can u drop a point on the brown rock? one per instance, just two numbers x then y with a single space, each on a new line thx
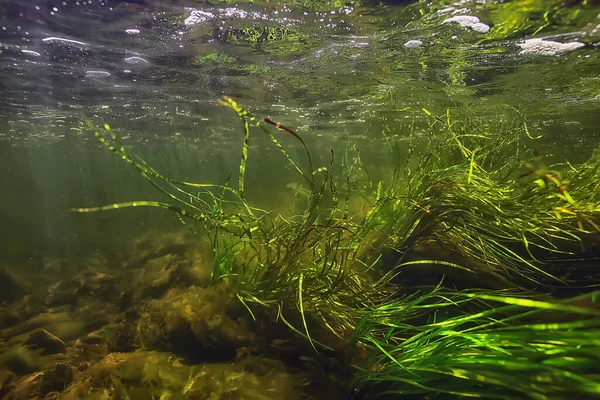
12 287
56 379
42 339
93 338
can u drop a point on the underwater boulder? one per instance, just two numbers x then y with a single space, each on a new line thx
203 324
41 320
72 291
233 382
55 379
26 387
97 284
12 287
148 375
125 339
7 379
21 360
65 325
94 338
198 272
9 317
158 275
138 375
155 245
45 341
63 293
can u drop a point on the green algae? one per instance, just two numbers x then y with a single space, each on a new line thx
215 57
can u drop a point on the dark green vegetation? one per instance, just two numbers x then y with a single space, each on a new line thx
469 271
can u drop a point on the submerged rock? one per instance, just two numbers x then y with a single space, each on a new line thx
200 323
45 341
26 387
163 273
21 360
12 287
158 275
198 273
72 291
125 338
65 325
155 245
154 375
93 338
6 378
55 379
63 293
9 318
232 382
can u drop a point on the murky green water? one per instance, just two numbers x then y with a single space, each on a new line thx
338 73
334 71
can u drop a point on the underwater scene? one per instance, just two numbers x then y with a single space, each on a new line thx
252 200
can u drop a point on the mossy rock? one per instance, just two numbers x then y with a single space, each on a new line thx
203 324
47 343
12 287
147 375
125 339
56 379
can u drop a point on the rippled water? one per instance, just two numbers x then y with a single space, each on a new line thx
332 70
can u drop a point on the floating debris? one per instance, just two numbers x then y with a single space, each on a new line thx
413 43
136 60
468 21
31 52
58 40
196 17
547 47
97 74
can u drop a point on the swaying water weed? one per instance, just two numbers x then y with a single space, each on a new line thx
461 198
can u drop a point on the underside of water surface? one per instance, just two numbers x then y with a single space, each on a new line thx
299 200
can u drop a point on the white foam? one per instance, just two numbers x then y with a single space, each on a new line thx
413 43
547 47
469 22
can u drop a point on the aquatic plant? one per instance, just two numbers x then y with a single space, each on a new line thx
463 197
304 270
531 17
481 207
479 345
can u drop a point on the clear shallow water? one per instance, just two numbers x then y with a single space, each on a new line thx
335 72
112 287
